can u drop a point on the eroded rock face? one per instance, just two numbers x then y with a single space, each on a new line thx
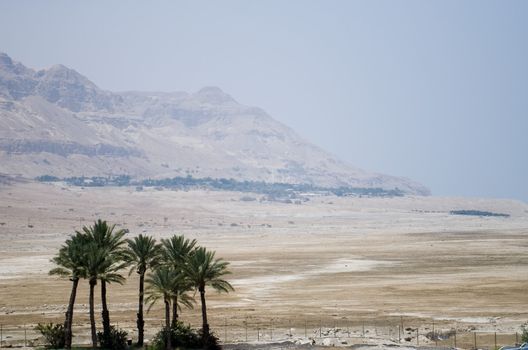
58 84
68 89
56 121
16 81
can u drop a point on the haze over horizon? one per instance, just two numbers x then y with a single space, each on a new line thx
434 91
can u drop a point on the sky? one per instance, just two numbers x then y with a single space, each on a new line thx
436 91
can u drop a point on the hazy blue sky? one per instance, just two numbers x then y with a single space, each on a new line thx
433 90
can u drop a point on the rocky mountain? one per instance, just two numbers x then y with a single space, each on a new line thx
57 122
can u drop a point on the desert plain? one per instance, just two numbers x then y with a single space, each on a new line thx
330 263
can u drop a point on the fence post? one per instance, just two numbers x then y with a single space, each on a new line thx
258 332
495 341
434 337
320 328
271 329
363 329
455 337
417 337
225 331
475 339
25 336
305 331
399 334
246 325
516 339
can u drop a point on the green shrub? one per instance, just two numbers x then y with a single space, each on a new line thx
211 342
181 336
116 339
524 335
53 333
158 341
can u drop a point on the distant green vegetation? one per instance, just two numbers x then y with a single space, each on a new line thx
275 190
477 213
47 178
94 181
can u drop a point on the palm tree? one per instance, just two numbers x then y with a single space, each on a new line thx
95 262
70 262
177 251
161 285
203 270
104 237
99 265
180 296
143 254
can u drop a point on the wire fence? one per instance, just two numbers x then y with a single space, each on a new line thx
341 332
345 332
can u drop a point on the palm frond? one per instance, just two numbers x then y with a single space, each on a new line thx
143 253
203 269
185 300
222 286
60 271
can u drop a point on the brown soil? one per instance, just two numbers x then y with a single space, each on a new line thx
340 262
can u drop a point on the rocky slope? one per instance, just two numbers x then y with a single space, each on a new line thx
57 122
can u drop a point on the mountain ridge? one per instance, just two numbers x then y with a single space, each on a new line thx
57 122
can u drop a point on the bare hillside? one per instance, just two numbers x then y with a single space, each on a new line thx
57 122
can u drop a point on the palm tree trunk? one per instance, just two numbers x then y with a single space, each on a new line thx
105 313
140 322
167 323
174 310
205 325
69 315
93 282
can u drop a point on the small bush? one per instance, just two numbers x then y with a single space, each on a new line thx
181 336
158 341
116 339
185 336
211 342
524 335
53 333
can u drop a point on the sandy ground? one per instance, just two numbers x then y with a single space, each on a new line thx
330 263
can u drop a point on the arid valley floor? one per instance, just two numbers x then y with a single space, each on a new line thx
330 261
